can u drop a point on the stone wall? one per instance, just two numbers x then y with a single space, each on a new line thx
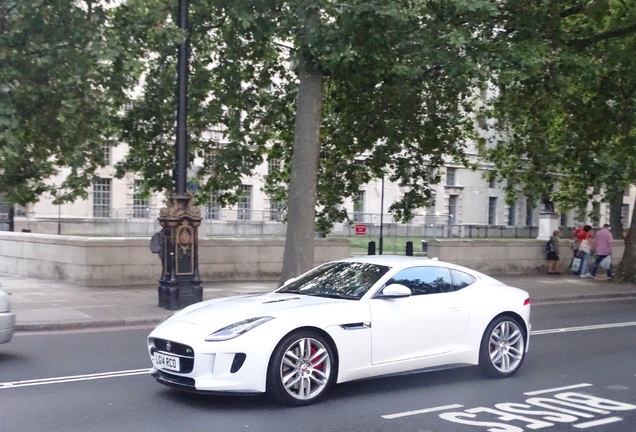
496 257
124 261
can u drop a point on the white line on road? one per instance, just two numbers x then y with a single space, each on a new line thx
421 411
74 378
598 422
583 328
558 389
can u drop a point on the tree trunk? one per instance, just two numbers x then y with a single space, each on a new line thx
301 208
626 270
616 216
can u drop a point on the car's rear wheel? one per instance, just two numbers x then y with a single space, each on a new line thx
301 369
503 348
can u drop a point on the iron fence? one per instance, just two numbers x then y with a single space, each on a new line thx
267 223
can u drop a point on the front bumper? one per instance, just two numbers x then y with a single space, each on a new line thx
234 366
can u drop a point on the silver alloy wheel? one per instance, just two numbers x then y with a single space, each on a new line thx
305 368
506 346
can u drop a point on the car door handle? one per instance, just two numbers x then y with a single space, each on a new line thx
455 309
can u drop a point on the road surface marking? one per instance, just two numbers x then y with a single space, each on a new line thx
74 378
421 411
583 328
558 389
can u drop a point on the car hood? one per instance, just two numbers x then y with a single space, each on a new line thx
221 312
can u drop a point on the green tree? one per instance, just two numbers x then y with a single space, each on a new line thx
58 96
564 105
391 84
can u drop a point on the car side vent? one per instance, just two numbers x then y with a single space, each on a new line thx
237 363
281 300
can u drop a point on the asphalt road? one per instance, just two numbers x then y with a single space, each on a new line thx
580 374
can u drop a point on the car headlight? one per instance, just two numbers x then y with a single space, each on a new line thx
237 329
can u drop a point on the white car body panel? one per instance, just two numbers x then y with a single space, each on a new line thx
371 336
7 318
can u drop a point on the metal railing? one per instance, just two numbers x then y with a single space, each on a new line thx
265 223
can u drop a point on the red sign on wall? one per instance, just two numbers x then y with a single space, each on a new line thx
361 229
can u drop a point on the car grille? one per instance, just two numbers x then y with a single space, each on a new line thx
174 380
184 352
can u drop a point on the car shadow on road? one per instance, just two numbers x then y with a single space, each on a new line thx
401 382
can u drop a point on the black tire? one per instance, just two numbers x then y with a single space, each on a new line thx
503 347
301 369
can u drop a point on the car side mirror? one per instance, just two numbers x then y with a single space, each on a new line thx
395 291
289 280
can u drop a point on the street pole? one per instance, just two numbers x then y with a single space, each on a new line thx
180 284
381 217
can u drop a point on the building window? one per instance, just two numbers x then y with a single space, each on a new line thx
213 209
274 165
4 208
210 156
492 210
358 207
596 213
245 203
451 176
452 209
101 197
277 211
106 151
512 214
529 215
625 215
141 204
564 219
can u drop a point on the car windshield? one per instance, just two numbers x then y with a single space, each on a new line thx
346 280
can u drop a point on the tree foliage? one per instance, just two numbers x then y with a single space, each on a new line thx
398 85
58 96
565 106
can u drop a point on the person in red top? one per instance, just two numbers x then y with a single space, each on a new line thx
585 249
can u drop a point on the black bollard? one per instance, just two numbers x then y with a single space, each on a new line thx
371 248
409 248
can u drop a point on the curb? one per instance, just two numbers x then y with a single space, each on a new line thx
77 325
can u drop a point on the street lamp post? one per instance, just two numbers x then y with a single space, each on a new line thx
180 284
381 217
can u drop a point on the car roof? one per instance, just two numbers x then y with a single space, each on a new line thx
402 261
390 260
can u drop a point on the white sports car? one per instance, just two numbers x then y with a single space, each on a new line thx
7 318
344 320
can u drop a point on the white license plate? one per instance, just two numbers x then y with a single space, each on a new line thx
163 361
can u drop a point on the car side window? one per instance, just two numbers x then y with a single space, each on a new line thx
424 280
461 279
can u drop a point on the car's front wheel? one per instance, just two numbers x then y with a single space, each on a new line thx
301 369
503 348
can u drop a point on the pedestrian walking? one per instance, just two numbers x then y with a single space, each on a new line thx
585 250
603 247
574 245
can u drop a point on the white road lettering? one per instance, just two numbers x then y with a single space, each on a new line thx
74 378
561 406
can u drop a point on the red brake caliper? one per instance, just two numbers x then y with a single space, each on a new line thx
314 363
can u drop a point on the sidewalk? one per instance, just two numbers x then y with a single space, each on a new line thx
53 305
